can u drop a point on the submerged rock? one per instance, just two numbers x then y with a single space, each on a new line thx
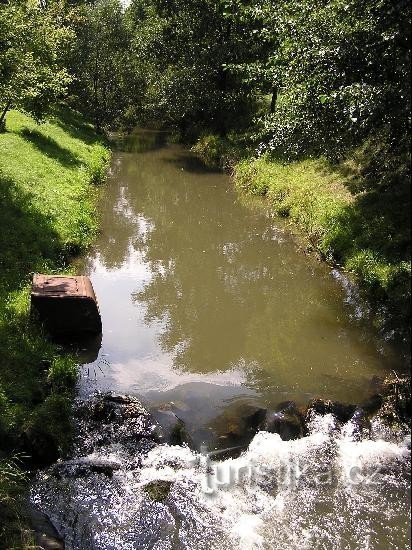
171 428
341 411
158 490
286 420
237 426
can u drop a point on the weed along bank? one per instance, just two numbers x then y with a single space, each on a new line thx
49 186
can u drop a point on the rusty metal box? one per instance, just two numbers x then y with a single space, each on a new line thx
66 304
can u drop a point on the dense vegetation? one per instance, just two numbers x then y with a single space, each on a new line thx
301 91
306 101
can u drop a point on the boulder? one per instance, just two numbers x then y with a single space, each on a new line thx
109 418
240 423
43 531
113 407
285 420
171 428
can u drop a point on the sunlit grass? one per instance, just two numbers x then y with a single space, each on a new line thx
47 214
350 222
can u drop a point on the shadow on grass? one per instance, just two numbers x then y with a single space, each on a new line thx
375 230
27 237
49 147
73 124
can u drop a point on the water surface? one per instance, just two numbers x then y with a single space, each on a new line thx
208 305
207 301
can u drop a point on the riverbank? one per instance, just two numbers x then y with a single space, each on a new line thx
48 175
360 224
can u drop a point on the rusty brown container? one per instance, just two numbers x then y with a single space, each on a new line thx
66 305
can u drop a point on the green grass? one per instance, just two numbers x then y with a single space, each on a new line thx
363 228
352 215
47 214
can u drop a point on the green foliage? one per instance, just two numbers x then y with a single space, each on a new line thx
184 50
31 43
12 480
221 152
53 417
105 79
342 72
62 374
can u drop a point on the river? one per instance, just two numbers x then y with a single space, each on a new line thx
209 306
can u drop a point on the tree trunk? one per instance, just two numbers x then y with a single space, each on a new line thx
4 113
274 99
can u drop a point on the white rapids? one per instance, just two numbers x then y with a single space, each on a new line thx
333 489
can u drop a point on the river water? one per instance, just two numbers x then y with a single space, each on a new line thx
208 306
207 302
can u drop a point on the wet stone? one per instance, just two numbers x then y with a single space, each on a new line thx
84 466
171 428
343 412
158 490
286 420
242 421
112 419
46 542
287 425
43 531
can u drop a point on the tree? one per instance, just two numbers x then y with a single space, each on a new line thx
103 76
188 50
342 70
32 38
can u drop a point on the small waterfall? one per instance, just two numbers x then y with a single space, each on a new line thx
340 486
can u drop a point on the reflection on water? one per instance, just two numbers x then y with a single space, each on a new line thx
200 290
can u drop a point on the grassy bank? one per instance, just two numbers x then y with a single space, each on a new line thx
357 223
47 214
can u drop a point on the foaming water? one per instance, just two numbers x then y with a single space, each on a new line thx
335 488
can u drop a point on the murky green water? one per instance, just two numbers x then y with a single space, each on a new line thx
207 302
208 306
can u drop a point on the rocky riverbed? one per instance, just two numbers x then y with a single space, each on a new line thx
323 472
